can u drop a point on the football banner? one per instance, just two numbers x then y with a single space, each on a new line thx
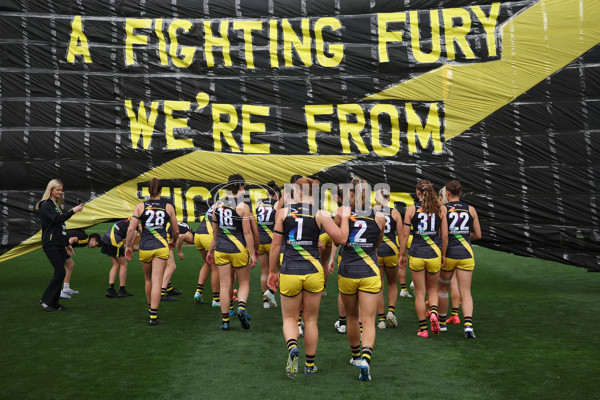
502 95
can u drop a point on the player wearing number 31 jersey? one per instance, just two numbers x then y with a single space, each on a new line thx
427 218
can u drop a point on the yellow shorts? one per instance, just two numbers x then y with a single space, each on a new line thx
202 242
292 285
237 260
264 248
409 241
372 284
466 264
146 256
388 261
325 239
432 265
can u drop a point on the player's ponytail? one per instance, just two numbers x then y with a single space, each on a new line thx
235 183
431 202
155 187
273 189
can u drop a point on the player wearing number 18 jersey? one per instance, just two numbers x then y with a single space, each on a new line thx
427 218
154 215
233 235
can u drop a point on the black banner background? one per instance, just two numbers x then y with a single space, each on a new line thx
531 168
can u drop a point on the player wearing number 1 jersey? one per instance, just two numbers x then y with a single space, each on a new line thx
265 214
154 215
301 279
427 218
463 226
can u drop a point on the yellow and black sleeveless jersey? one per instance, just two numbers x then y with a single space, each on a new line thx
301 238
154 221
205 227
82 237
460 221
426 234
359 254
117 233
389 245
183 229
265 215
230 237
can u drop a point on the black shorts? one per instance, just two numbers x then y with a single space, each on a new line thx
112 251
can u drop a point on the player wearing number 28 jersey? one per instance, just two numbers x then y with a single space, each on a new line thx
154 215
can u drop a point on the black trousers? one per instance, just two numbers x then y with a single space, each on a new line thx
57 257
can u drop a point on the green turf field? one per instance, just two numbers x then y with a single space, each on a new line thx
536 323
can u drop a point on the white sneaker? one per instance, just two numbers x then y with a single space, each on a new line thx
216 303
356 361
341 328
198 298
469 333
412 287
70 291
270 298
365 371
266 304
391 319
324 292
63 295
381 325
301 330
404 293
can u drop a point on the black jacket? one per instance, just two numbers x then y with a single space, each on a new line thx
54 230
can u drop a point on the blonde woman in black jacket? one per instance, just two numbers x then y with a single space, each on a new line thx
54 240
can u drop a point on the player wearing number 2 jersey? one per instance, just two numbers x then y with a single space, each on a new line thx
301 278
154 215
427 218
359 280
463 226
233 235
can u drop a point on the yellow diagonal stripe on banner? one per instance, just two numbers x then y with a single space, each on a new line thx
201 166
535 44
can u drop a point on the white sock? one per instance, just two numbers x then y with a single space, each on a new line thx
66 286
